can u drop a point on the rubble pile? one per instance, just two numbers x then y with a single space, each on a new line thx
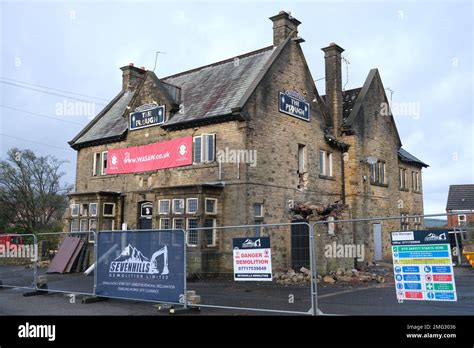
292 277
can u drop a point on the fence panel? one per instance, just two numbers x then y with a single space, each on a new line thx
364 272
252 267
145 265
17 260
63 258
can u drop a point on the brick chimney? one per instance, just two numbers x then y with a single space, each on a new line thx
283 26
131 77
334 100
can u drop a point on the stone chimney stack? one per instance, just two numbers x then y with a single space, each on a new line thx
283 26
131 77
334 100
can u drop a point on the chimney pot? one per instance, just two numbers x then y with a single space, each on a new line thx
131 76
142 67
284 25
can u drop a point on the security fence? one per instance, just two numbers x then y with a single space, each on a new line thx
17 260
393 265
253 267
334 267
62 259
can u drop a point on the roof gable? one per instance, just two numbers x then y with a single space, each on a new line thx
358 102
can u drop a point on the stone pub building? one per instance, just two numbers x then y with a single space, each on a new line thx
173 152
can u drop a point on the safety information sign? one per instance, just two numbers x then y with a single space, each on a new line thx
252 259
422 265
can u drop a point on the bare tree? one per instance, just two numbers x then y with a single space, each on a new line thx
31 190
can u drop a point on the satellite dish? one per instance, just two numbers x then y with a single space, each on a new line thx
372 160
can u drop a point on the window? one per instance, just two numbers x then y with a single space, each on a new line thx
93 225
301 158
74 209
178 206
258 210
165 224
104 163
74 225
178 224
211 206
403 178
96 164
84 209
415 180
377 173
204 148
93 209
192 235
108 224
325 163
461 220
109 209
258 229
83 225
164 206
191 205
417 223
404 223
210 234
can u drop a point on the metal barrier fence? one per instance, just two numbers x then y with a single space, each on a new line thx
224 267
356 255
68 275
18 260
225 274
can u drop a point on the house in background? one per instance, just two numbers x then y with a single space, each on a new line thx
461 202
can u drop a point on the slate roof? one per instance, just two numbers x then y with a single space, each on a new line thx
349 98
407 157
108 124
460 197
206 93
215 89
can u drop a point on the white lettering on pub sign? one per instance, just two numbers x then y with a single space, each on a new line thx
292 104
146 118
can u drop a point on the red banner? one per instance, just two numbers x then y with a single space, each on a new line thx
167 154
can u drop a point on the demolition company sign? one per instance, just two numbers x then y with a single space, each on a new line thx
141 265
151 116
292 104
252 259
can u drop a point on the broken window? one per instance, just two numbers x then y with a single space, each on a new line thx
377 172
211 206
96 164
178 206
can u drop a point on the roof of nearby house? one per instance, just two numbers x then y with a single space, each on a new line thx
407 157
460 197
206 93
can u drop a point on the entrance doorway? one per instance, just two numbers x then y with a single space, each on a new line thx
146 216
377 230
299 246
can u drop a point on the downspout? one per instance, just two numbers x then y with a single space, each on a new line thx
343 186
122 210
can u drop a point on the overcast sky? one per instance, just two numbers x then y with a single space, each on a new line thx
423 50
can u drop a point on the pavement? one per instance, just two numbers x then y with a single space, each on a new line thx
334 299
